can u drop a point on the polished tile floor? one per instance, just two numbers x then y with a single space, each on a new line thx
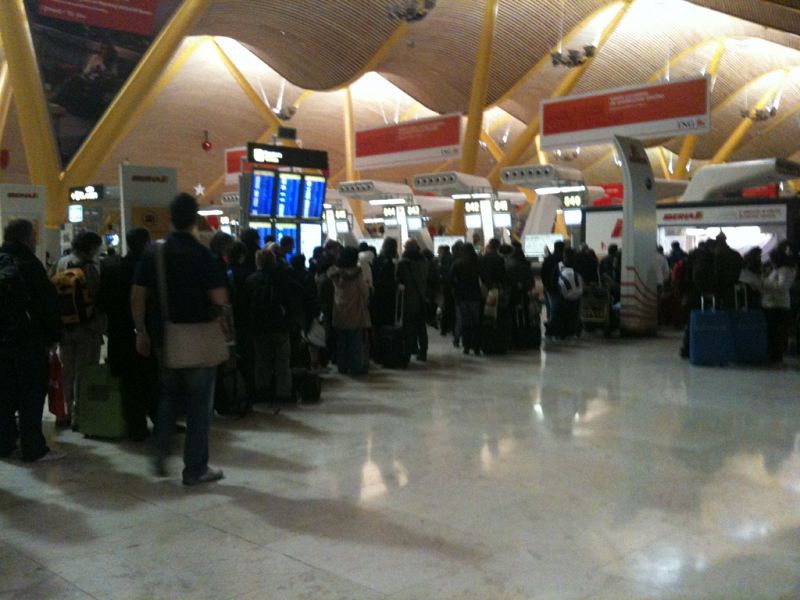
598 469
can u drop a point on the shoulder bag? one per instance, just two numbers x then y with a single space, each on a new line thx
188 345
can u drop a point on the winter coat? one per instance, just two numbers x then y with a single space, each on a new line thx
777 287
350 298
412 273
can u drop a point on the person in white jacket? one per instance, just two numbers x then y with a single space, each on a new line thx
776 300
365 258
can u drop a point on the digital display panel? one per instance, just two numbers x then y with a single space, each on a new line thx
473 221
262 193
313 196
414 223
286 229
264 230
310 238
75 213
534 244
573 216
502 220
288 195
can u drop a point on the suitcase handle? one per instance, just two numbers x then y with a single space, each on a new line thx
713 303
736 288
399 307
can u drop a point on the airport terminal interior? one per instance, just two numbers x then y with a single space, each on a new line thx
584 463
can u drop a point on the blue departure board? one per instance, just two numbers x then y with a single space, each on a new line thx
288 195
262 193
313 196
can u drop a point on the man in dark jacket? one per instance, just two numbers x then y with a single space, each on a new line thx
24 342
138 374
727 268
412 275
445 260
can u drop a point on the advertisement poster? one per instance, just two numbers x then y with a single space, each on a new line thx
641 112
413 142
86 50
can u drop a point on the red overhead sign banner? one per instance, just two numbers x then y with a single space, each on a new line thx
641 112
131 16
420 141
233 164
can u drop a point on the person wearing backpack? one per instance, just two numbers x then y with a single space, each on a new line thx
77 282
267 296
570 285
29 327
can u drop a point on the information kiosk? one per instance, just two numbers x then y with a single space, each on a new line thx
24 202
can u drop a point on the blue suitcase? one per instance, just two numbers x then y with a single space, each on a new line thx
749 332
711 340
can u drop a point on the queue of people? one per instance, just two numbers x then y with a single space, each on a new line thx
283 319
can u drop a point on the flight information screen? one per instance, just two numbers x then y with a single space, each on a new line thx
288 195
262 193
313 196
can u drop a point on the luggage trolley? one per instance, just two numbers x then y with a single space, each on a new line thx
596 309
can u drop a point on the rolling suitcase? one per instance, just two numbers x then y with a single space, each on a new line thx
230 393
527 328
100 412
393 350
749 332
492 339
711 340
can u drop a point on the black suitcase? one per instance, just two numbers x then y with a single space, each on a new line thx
393 351
230 393
306 386
492 337
527 328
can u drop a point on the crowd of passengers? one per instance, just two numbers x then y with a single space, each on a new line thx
290 312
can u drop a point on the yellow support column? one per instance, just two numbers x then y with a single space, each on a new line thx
37 131
5 98
732 143
477 102
350 153
492 146
567 84
690 141
258 103
134 92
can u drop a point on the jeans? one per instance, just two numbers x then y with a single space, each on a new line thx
272 359
470 315
191 390
79 347
23 377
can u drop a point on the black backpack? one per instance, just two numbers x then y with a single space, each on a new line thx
14 300
267 311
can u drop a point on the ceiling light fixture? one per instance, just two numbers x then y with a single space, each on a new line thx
573 58
410 10
760 114
388 201
568 189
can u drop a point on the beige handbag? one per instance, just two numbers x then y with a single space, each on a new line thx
188 345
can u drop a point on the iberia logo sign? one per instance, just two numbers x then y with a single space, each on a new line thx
696 215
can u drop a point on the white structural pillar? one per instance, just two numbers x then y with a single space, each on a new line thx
639 312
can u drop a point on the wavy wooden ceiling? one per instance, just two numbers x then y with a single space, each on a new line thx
322 44
777 14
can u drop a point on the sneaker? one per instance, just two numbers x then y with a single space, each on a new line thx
50 456
209 476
